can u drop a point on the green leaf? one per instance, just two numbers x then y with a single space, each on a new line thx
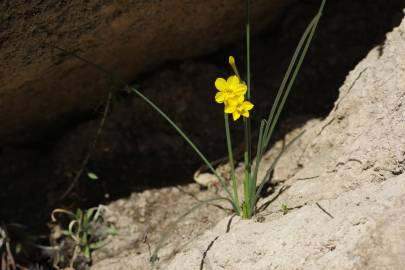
86 252
284 209
98 244
79 214
112 230
92 176
18 248
65 232
89 215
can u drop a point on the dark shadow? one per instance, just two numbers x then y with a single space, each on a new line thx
279 192
228 225
138 150
206 252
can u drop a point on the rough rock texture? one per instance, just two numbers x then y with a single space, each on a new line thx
134 138
348 164
40 85
343 183
142 218
366 232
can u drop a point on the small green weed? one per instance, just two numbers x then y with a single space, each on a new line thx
86 229
284 209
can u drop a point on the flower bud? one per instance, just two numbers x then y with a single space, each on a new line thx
231 60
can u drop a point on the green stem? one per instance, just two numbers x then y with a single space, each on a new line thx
246 127
248 80
185 137
231 163
248 47
247 124
246 193
235 70
274 163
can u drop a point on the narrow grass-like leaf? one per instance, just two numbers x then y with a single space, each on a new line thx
86 252
99 244
259 153
61 211
283 92
247 182
302 48
274 163
186 138
71 231
285 79
156 108
89 215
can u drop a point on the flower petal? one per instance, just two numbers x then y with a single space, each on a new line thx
233 81
229 107
220 97
234 101
220 84
241 98
235 115
245 114
240 89
246 105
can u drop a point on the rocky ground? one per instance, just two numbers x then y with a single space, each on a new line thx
342 182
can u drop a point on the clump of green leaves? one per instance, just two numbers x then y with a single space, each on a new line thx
284 209
86 229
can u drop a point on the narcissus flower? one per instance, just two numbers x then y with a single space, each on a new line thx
232 88
232 92
238 108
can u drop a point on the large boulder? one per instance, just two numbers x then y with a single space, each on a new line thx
342 186
40 85
343 183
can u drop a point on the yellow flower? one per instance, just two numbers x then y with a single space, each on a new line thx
238 108
232 88
232 92
232 103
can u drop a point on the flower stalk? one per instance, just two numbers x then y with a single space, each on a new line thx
232 165
236 96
